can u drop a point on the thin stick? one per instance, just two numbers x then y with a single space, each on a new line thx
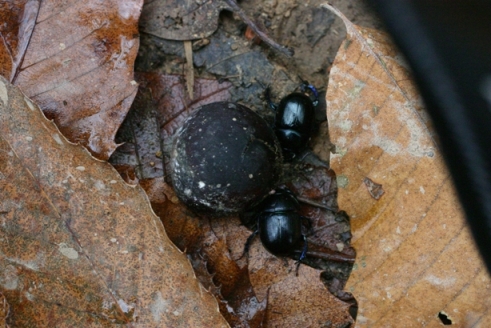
188 49
315 204
334 257
236 9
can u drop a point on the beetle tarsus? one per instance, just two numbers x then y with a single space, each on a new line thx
248 243
302 255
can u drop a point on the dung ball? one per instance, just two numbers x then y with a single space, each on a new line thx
223 158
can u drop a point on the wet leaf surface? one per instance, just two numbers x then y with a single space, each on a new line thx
79 245
77 64
19 19
416 257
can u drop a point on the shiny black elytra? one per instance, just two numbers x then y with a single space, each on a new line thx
279 225
294 119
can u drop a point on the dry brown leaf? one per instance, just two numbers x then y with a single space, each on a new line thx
213 264
293 301
79 247
77 64
416 257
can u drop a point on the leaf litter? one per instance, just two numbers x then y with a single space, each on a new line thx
282 83
216 245
75 60
93 252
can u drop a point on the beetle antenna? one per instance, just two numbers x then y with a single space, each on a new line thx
302 80
306 87
261 84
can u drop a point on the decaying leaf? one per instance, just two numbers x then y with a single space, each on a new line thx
216 269
416 257
77 64
376 190
181 20
78 245
161 106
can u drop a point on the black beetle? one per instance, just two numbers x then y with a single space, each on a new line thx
278 224
294 118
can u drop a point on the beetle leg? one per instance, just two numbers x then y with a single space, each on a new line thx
267 95
304 250
303 255
249 242
308 220
289 155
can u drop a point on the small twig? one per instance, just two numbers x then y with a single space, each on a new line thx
188 49
236 9
334 256
319 205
